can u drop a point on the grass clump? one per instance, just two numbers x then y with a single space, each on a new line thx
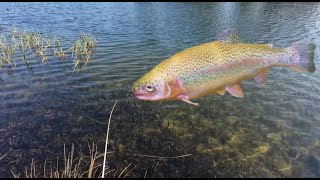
82 49
72 167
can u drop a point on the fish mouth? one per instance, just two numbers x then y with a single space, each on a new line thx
142 95
139 95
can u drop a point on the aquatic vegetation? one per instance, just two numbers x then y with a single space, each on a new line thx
7 52
58 51
82 49
19 43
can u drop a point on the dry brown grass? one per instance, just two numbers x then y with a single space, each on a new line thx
72 167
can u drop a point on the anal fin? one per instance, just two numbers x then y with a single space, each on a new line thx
262 77
235 90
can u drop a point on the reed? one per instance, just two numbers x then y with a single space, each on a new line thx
107 139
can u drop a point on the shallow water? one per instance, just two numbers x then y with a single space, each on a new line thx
272 132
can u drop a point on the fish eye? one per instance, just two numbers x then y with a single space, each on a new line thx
150 88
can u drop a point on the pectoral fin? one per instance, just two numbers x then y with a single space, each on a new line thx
186 99
262 77
189 102
235 90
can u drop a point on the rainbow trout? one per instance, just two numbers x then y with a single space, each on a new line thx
217 67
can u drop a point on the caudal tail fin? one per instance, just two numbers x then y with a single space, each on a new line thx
301 57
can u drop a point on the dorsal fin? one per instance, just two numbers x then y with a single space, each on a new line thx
230 36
